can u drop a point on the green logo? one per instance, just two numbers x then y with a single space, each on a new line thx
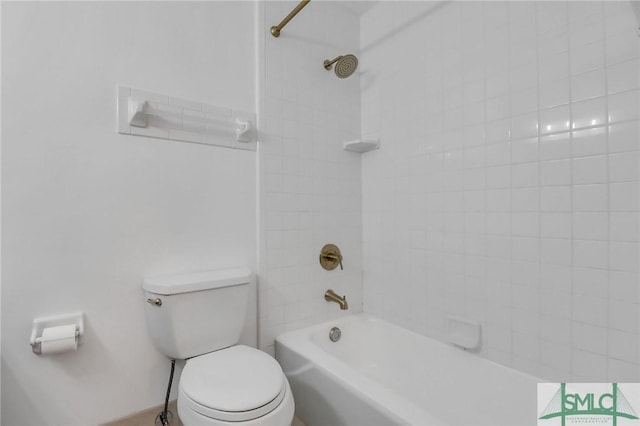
565 404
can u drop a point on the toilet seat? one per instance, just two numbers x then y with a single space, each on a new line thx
234 384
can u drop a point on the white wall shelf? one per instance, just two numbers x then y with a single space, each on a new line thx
361 145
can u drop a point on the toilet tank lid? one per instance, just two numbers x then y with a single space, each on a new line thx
196 281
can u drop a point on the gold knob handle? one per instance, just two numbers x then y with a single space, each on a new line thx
330 257
157 301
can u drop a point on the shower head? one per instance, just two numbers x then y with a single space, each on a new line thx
345 65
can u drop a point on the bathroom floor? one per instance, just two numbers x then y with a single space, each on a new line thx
148 417
297 422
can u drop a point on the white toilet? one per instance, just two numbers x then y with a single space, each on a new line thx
200 317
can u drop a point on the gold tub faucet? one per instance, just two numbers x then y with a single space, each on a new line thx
331 296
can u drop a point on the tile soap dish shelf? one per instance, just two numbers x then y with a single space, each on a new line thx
361 145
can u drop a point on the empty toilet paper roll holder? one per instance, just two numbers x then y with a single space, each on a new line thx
40 323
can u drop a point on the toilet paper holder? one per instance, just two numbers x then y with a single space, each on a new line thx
40 323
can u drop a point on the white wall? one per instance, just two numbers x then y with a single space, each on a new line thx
310 191
506 188
87 213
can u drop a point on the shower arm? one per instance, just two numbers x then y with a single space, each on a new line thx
327 63
275 30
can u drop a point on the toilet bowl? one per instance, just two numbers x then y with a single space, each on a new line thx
234 386
199 317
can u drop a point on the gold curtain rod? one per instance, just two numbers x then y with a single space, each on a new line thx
275 30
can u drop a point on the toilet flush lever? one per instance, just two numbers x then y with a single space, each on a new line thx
157 301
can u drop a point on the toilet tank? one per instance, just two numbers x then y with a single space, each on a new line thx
192 314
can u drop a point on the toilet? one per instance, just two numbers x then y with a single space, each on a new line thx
200 317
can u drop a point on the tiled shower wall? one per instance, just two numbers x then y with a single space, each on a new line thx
506 188
310 191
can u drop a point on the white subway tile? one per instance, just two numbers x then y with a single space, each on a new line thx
617 18
623 285
553 41
623 316
586 31
590 169
498 154
624 167
623 196
581 11
623 106
591 282
555 225
524 150
554 15
523 77
556 355
556 92
591 226
591 198
623 256
525 199
554 328
553 67
525 224
524 175
497 85
497 108
557 119
497 131
589 142
555 147
592 112
624 137
498 247
555 199
555 251
622 47
556 279
525 249
590 254
624 226
590 84
587 57
588 329
555 172
498 177
623 76
588 365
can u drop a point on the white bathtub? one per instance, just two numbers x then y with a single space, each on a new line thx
381 374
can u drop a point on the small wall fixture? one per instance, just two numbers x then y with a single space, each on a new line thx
330 257
361 145
331 296
56 334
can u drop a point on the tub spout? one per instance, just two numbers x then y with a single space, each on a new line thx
331 296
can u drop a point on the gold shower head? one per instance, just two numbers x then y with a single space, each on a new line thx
345 65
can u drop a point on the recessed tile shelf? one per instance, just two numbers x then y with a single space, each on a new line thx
362 145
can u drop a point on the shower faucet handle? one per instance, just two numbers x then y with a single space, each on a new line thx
330 257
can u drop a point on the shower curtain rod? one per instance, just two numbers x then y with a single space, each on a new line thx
275 30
